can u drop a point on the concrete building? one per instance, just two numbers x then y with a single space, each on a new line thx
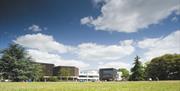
62 72
119 74
47 69
108 74
66 72
90 75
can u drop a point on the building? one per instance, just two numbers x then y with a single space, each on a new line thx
47 69
108 74
119 74
88 76
66 72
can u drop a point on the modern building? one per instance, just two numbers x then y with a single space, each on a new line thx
119 74
108 74
47 69
62 72
66 72
90 75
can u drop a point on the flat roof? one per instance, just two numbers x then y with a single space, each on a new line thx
66 66
107 69
43 63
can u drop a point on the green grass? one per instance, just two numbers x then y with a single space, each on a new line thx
91 86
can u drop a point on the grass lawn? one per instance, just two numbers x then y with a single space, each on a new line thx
91 86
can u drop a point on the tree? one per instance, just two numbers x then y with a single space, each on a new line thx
166 67
15 64
137 71
125 73
36 71
145 71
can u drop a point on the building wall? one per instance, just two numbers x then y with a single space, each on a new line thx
73 71
88 76
119 78
51 70
109 74
47 69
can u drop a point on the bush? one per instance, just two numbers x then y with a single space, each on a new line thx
53 79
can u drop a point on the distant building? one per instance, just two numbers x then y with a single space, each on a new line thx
88 76
119 74
47 69
66 72
108 74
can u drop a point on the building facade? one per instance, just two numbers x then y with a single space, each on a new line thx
72 73
47 69
108 74
62 72
85 76
66 72
119 74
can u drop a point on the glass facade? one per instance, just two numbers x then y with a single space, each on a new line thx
108 74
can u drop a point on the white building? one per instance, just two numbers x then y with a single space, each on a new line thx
119 74
88 76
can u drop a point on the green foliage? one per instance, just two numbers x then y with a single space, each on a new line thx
166 67
137 71
125 73
53 79
15 64
36 71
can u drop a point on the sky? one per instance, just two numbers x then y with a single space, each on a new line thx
91 34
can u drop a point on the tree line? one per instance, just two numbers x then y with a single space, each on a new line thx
17 65
165 67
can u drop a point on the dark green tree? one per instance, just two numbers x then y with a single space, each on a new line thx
16 65
166 67
125 73
145 71
137 71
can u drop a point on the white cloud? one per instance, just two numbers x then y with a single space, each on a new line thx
158 46
45 57
92 51
35 28
43 48
174 19
97 3
116 65
131 16
42 42
86 20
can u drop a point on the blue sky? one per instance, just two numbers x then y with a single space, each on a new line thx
91 34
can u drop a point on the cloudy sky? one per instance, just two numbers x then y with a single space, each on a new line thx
91 34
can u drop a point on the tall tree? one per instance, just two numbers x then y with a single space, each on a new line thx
125 73
137 71
15 64
166 67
